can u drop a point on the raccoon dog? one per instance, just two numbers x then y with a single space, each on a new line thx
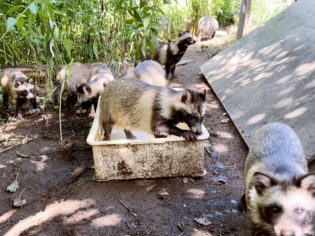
207 27
134 104
279 190
149 71
169 54
88 92
19 87
82 73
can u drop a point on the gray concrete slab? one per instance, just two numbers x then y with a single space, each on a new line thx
269 75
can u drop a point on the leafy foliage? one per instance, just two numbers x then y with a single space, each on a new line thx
57 31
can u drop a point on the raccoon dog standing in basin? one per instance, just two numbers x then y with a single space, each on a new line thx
280 193
134 104
18 86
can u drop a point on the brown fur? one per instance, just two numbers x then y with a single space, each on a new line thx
19 87
136 105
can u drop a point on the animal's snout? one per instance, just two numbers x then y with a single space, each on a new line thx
287 232
196 130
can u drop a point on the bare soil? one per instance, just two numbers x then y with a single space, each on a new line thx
64 199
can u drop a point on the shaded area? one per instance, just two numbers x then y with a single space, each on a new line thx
269 75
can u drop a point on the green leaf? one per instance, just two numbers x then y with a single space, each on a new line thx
144 48
67 44
146 22
20 23
208 147
23 155
13 187
167 1
33 8
10 23
95 49
136 15
151 46
13 9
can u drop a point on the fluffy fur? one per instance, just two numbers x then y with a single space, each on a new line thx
149 71
207 27
279 191
137 105
169 54
82 73
89 92
19 87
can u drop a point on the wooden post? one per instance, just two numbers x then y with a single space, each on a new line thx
244 14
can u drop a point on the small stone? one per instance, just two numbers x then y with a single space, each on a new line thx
18 202
223 121
162 194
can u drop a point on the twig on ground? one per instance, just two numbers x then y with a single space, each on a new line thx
22 142
132 213
183 232
171 224
22 191
9 139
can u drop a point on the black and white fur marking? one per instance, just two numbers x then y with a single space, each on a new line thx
19 87
135 105
169 54
280 193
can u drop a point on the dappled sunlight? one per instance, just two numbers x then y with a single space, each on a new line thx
224 134
40 165
305 69
6 216
2 166
310 84
255 119
212 106
263 79
286 91
51 211
284 103
199 232
196 193
81 215
296 113
219 147
109 220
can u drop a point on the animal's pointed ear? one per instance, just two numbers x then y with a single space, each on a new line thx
186 97
203 95
180 33
17 83
307 182
77 85
30 81
262 182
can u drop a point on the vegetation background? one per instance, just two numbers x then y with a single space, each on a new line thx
54 32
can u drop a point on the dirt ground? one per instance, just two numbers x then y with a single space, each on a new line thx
60 205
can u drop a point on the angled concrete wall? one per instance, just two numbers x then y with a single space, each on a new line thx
269 75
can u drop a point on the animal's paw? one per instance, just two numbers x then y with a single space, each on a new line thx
160 134
190 136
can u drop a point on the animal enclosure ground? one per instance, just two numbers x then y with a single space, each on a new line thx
60 205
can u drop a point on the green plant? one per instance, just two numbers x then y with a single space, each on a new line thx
223 12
